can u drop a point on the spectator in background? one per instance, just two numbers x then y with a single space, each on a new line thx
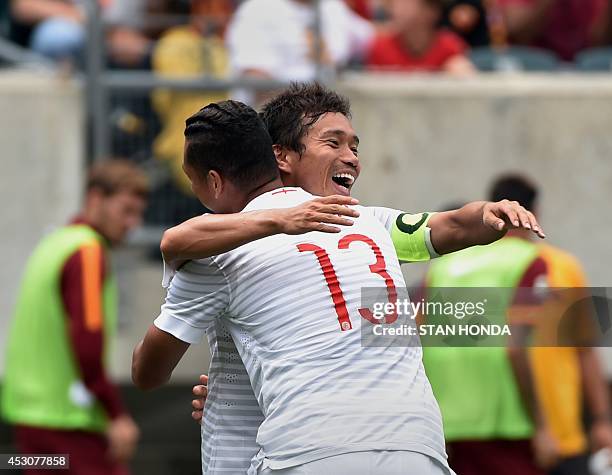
415 43
276 39
56 28
562 26
188 51
468 18
56 389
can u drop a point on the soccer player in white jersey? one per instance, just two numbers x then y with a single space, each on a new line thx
187 307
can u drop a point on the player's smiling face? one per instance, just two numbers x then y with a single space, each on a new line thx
329 164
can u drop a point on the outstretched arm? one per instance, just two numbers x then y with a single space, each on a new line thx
480 222
211 235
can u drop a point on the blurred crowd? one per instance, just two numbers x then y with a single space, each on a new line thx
285 40
278 38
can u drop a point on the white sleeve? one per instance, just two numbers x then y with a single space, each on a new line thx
386 216
251 41
198 294
168 274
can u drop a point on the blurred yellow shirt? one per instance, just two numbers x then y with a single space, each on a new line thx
557 369
183 53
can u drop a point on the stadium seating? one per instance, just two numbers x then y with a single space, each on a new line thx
514 58
594 59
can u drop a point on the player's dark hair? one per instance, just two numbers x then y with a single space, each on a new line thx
290 115
230 138
515 187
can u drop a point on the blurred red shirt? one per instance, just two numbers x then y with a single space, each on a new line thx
387 52
569 25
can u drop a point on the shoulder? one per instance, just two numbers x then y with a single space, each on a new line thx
450 41
381 47
553 253
563 263
90 254
383 39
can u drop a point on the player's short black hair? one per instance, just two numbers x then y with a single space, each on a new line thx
230 138
289 116
515 187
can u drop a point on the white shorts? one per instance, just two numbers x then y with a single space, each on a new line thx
395 462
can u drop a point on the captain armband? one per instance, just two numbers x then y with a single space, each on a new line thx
412 237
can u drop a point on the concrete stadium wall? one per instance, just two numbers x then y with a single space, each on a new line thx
41 144
424 143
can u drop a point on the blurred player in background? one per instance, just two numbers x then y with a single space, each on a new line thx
486 423
492 417
56 390
566 377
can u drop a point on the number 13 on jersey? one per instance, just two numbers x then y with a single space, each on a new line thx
379 267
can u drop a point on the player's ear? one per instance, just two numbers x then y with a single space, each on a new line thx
284 159
215 183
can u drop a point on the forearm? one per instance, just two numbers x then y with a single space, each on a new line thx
211 235
142 374
595 388
155 357
455 230
519 361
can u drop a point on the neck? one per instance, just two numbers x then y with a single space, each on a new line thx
88 217
264 188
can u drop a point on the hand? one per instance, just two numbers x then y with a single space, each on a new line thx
316 215
545 449
505 215
601 435
201 392
122 435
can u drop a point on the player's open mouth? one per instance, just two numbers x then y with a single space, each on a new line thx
344 181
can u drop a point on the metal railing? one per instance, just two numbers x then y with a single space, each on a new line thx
102 84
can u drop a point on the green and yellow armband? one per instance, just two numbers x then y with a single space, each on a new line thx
411 237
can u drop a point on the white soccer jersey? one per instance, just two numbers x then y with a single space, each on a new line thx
288 303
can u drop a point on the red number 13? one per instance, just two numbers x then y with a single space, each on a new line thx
379 267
